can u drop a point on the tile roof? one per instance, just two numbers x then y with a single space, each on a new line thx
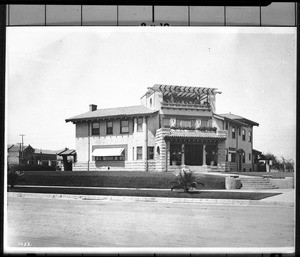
238 118
114 112
194 134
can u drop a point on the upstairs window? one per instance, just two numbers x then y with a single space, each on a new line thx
95 128
139 153
226 125
139 124
109 128
239 131
185 123
150 153
243 135
124 126
250 136
233 132
166 122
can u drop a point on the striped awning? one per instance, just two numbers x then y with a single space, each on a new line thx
108 152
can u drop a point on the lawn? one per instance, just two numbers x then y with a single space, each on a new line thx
147 193
123 179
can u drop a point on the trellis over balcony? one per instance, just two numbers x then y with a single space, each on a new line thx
187 97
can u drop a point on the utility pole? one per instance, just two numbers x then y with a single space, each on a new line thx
22 135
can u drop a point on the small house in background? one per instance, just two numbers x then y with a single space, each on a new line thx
66 158
257 165
38 156
13 154
61 159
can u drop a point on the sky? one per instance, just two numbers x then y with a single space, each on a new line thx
54 73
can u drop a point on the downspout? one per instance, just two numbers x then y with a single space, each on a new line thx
89 143
252 149
146 143
237 148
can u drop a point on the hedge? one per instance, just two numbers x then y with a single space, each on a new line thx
28 167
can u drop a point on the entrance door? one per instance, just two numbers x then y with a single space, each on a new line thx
240 162
193 155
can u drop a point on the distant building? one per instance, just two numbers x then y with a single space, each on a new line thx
59 159
174 127
39 156
66 158
13 154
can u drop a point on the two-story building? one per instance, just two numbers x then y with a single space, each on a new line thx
174 127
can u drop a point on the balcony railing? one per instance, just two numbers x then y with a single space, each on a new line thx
201 128
186 105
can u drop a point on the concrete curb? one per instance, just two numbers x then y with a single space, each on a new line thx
151 199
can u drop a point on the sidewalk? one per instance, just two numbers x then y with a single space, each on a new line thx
286 197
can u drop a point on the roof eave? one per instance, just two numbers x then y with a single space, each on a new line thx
111 117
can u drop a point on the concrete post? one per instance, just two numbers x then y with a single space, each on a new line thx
182 155
204 156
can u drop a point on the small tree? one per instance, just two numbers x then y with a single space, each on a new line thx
185 180
287 164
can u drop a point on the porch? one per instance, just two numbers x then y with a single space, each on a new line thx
198 151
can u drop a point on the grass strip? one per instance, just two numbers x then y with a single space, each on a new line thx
127 179
148 193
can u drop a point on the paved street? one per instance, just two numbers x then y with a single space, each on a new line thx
91 223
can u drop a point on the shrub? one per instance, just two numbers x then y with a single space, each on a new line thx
30 167
185 180
13 177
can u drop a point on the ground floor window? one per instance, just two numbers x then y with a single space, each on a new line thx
150 153
109 158
139 153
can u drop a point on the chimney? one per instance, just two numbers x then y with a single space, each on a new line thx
93 107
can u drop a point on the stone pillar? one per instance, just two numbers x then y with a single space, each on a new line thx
182 155
204 156
145 145
49 163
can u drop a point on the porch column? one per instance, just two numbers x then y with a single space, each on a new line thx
204 156
134 125
145 145
182 155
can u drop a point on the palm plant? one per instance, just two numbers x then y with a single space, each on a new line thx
185 180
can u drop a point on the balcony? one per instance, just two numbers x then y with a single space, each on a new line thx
182 105
193 128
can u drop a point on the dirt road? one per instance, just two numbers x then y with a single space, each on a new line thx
87 223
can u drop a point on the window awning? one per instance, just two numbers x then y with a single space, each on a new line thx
108 152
